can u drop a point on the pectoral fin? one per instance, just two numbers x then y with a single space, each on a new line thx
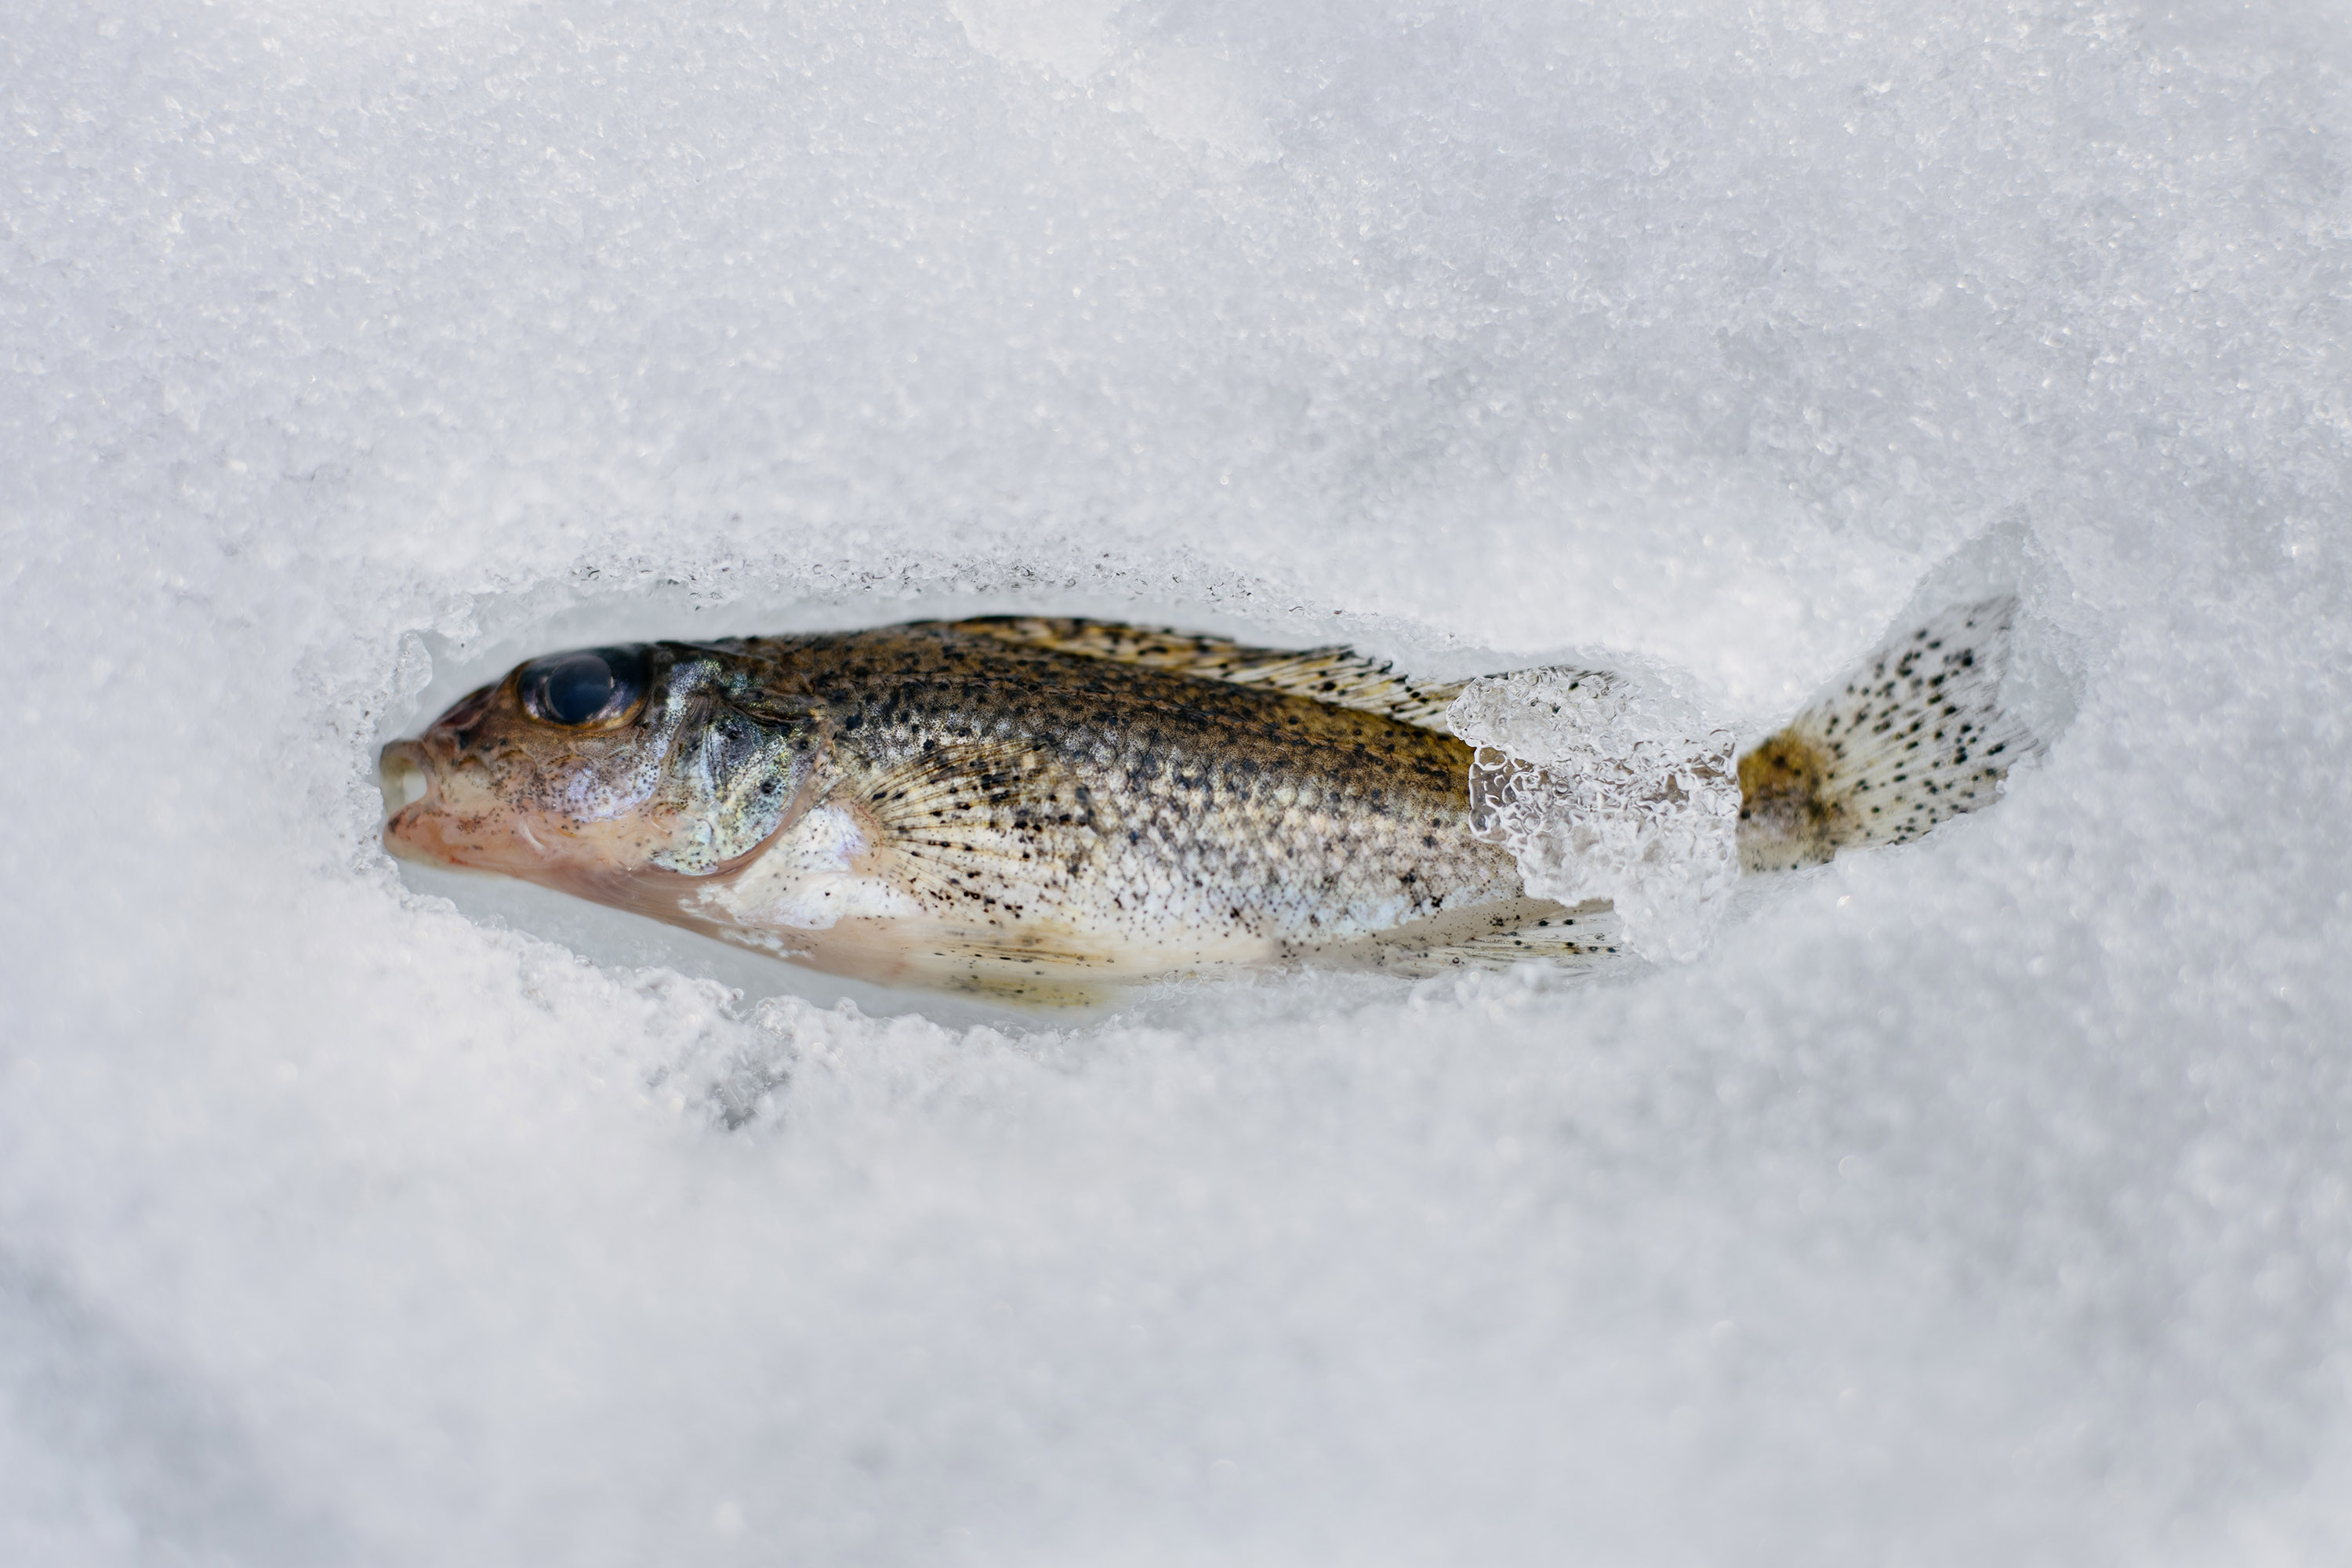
990 841
982 828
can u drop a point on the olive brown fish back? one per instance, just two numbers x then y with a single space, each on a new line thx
1339 677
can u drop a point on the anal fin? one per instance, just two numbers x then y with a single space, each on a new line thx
1493 937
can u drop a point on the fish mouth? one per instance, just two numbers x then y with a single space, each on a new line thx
423 823
405 775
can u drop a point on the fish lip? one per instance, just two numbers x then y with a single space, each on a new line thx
410 787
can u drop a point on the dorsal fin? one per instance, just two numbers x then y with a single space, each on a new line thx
1339 675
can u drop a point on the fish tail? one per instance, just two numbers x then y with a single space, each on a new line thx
1913 737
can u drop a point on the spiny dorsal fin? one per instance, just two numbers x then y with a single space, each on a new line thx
1915 736
1338 676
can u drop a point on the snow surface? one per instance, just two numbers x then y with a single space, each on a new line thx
1988 1200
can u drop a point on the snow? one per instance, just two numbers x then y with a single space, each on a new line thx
1983 1200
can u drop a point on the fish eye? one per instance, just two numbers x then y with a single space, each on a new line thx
598 688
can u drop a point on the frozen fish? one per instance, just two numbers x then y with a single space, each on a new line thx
1044 810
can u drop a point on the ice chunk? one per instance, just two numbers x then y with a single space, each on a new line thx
1606 788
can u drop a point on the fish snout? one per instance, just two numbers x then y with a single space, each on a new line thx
405 775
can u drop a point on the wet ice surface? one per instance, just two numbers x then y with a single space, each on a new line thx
1983 1200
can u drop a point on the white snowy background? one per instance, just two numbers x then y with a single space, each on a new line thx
1988 1201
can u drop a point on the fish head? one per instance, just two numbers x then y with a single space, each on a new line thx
616 773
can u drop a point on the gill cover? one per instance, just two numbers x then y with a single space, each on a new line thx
735 777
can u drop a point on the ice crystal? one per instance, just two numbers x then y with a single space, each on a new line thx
1604 789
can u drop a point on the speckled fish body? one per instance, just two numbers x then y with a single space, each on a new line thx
942 805
1043 810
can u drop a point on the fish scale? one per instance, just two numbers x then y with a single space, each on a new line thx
1221 809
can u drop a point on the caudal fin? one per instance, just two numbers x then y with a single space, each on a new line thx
1916 736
